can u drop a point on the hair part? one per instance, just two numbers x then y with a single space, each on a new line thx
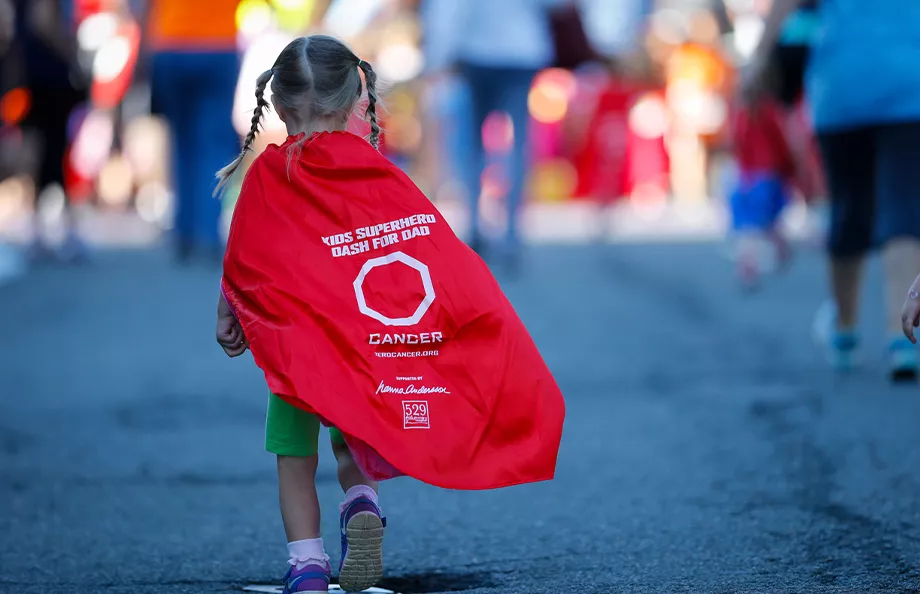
313 78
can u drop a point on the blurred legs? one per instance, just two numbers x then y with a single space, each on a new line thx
504 90
513 100
846 274
850 161
195 91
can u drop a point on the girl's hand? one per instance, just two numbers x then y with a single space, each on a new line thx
229 331
910 313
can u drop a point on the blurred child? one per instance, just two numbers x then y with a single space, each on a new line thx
369 315
766 168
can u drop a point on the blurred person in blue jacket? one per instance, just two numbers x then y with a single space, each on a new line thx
863 84
496 47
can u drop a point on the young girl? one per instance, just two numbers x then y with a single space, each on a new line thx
366 313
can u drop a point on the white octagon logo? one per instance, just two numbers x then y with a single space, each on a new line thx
383 261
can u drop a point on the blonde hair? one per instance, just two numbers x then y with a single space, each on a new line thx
315 77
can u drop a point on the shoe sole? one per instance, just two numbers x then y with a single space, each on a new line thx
363 563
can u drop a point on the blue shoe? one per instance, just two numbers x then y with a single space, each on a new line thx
362 545
841 347
311 579
903 360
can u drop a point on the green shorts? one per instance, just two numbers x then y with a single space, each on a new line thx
291 431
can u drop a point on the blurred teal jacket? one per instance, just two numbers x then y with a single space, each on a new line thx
865 64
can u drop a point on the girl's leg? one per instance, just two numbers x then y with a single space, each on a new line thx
298 498
292 434
361 523
350 475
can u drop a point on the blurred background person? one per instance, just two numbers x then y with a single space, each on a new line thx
45 43
496 48
194 75
864 89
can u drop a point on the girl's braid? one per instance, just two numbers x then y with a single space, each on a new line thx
224 175
370 114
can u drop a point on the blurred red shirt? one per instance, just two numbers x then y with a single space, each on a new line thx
759 141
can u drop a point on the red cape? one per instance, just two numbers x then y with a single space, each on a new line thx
361 305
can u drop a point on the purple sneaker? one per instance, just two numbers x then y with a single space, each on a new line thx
311 579
362 545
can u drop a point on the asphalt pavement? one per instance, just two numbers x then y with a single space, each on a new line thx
706 449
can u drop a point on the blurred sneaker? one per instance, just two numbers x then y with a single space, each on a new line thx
841 347
310 579
362 545
903 360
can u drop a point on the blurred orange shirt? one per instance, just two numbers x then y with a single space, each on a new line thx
193 24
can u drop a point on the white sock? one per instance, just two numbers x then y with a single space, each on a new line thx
304 552
358 491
